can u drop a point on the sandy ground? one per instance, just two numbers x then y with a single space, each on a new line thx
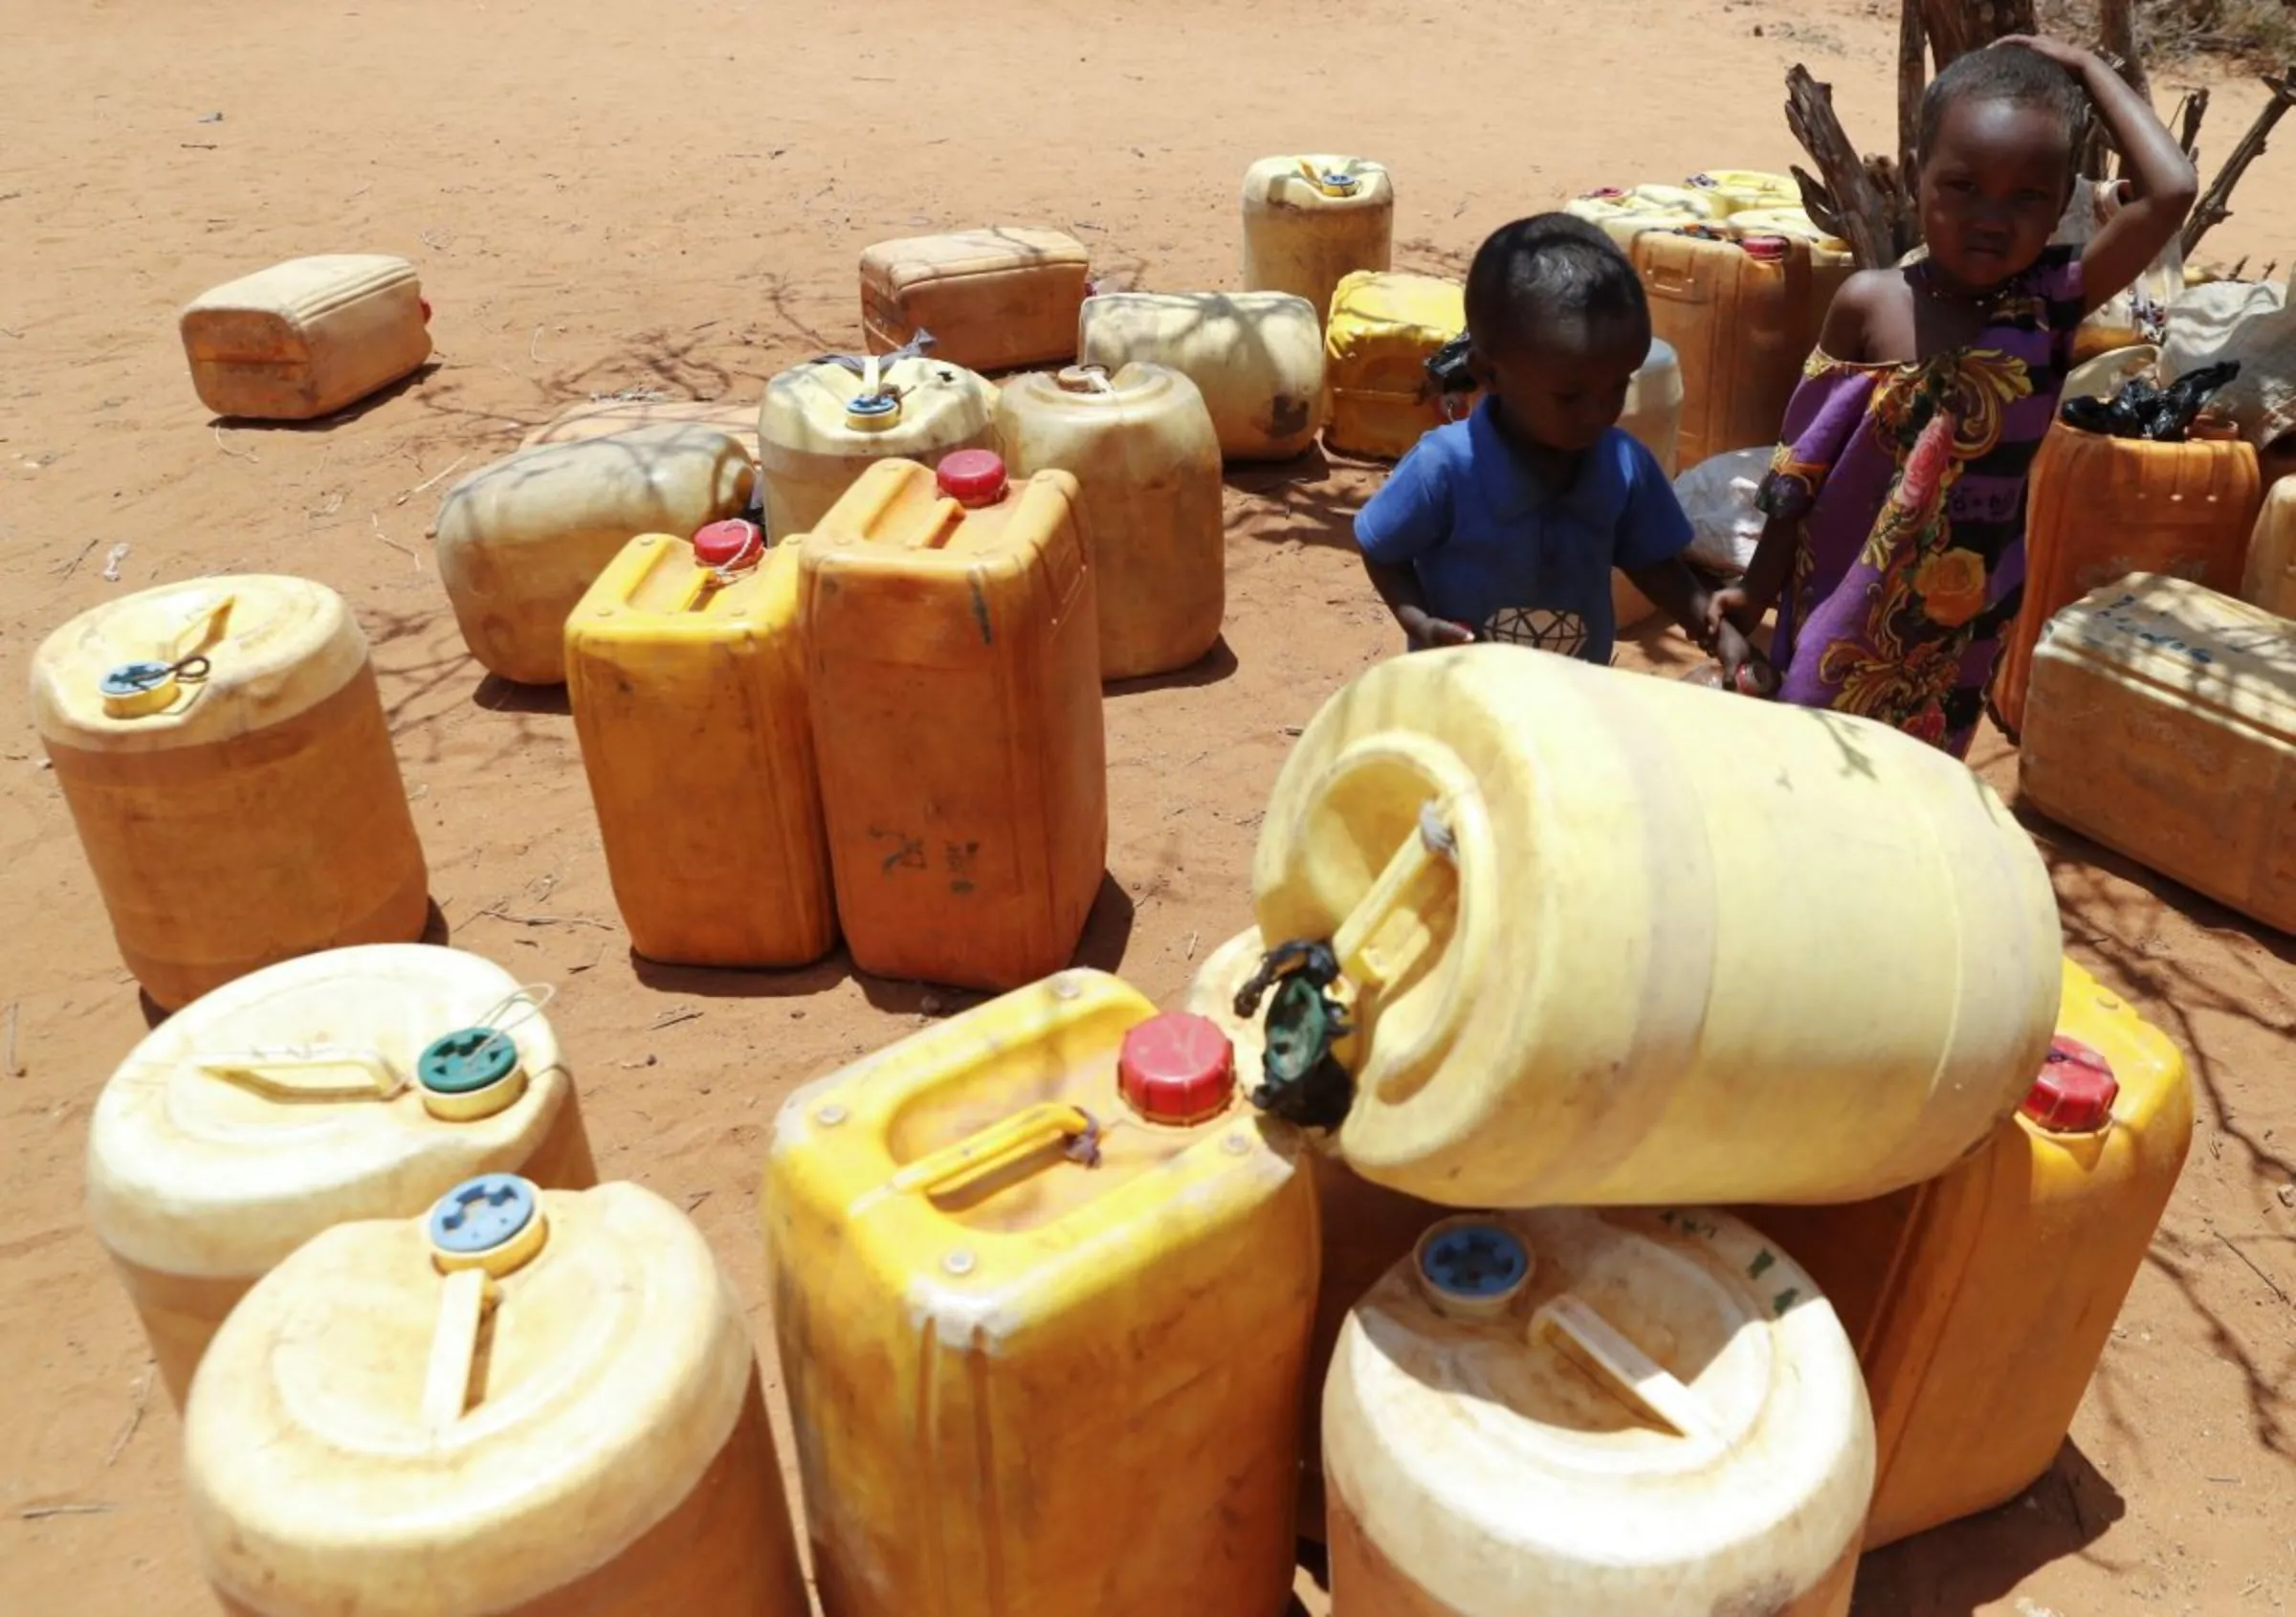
606 197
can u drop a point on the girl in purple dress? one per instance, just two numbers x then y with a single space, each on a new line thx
1894 549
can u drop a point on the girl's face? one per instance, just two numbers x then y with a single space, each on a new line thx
1992 190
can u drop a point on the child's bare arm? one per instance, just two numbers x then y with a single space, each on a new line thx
2161 183
1398 584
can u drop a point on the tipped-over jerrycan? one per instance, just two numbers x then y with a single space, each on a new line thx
519 541
359 1083
1146 459
1309 220
222 746
1737 310
1367 1228
686 675
952 641
1980 1301
990 299
529 1403
1042 1284
1640 1414
1622 854
1624 214
823 424
2269 580
306 338
1256 358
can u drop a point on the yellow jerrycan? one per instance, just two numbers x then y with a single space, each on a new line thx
1367 1228
306 338
1038 1272
1385 327
686 675
2269 580
1661 877
953 647
1640 1414
1627 213
823 424
519 541
222 746
1831 261
529 1403
359 1083
1256 358
1309 221
1738 313
1981 1301
1740 190
1146 459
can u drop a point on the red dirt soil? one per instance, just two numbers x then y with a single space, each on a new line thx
603 197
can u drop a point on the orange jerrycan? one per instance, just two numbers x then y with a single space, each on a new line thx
687 680
1637 1414
222 746
529 1403
1618 855
1368 1227
306 338
2101 508
359 1083
991 299
1146 459
1980 1301
952 632
1042 1285
2162 723
1738 311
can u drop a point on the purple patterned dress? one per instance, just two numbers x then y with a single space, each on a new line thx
1909 482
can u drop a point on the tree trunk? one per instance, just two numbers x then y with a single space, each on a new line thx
1912 82
1845 201
1957 27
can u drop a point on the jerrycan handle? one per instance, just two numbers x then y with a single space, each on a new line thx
463 1304
483 1230
1629 1374
318 1072
1000 1144
205 628
1418 860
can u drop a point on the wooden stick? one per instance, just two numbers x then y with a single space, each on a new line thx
1859 215
1958 27
1912 82
2190 111
2116 23
2215 206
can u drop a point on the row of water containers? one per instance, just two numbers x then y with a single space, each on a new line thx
1072 1318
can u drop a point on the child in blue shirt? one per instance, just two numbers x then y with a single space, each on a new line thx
1507 526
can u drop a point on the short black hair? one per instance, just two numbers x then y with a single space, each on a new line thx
1550 270
2012 73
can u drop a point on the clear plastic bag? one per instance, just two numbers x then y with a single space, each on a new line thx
1717 496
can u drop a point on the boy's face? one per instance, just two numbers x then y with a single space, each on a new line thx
1563 388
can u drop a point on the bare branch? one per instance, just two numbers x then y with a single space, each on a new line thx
2215 206
1847 203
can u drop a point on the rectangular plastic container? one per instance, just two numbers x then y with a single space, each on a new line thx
1385 327
2271 579
1737 313
688 689
955 658
306 338
1043 1353
992 298
2161 722
1980 1301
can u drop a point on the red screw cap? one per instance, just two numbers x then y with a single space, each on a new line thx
1177 1069
2075 1091
972 477
1768 249
731 544
425 303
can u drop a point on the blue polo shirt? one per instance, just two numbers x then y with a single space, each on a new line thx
1488 540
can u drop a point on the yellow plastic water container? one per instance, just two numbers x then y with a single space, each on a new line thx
1738 313
599 418
2106 375
1640 1414
1146 459
2270 578
358 1083
519 541
1624 853
2161 722
1652 415
306 338
1385 326
529 1401
824 424
1042 1285
1367 1228
1309 220
991 299
1741 191
952 638
1625 213
222 747
1831 261
1256 358
686 674
1980 1301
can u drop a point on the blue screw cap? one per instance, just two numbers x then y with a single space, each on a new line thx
133 678
1474 1261
481 1214
873 404
466 1060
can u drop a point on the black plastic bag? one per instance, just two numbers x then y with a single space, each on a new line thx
2161 415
